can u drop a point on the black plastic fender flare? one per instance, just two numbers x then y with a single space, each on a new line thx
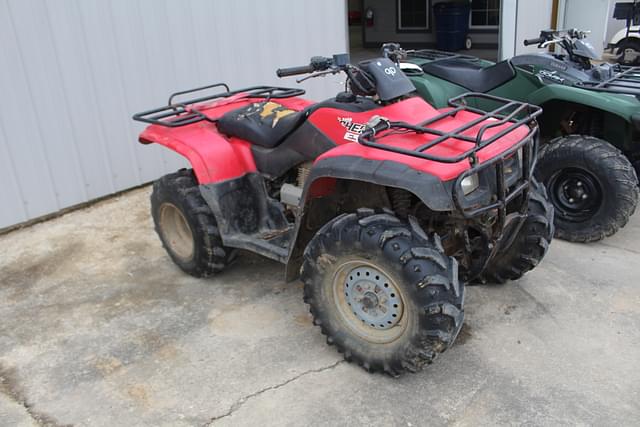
434 193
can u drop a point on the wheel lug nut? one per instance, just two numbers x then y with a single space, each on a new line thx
572 200
584 197
579 183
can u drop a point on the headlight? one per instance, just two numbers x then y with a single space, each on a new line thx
510 163
520 155
470 184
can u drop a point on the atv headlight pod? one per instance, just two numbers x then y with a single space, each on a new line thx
470 184
514 162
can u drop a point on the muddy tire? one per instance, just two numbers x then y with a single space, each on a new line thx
591 184
530 245
382 291
186 226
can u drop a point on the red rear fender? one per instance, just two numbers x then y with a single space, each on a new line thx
213 157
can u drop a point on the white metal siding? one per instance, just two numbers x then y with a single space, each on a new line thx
72 72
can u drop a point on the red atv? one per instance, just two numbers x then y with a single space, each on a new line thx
383 205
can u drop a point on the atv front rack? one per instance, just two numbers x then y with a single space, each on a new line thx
511 114
626 82
176 114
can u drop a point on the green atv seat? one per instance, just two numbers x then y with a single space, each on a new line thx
471 74
265 124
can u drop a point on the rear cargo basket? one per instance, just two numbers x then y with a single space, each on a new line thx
436 55
176 114
626 82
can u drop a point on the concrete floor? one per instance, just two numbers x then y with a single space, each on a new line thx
98 328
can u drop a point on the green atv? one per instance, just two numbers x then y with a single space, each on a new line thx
590 127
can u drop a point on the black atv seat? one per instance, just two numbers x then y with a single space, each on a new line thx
470 74
267 124
262 123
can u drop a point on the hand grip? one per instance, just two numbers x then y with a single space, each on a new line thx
533 41
292 71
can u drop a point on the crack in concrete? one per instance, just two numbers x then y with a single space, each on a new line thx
240 402
9 387
609 245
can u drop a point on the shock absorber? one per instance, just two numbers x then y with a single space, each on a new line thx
400 201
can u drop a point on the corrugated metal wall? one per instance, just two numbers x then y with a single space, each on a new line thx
72 72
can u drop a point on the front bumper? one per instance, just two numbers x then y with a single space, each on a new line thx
502 180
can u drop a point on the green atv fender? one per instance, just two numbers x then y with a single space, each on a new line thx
589 205
619 112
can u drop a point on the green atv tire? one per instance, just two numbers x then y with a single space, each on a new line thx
591 184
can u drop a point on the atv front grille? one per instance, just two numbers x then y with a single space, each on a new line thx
176 114
507 114
626 82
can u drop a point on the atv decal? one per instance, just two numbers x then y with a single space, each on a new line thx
270 112
550 75
353 129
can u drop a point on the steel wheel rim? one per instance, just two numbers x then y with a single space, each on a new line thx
576 194
369 301
176 232
629 55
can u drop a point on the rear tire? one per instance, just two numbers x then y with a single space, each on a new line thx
628 52
591 184
186 226
530 245
404 309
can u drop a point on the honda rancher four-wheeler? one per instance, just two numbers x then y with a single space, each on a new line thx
590 126
383 205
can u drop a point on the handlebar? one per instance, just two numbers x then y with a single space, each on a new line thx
534 41
293 71
317 63
556 36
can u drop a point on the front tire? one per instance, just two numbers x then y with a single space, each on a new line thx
186 226
591 184
530 245
382 291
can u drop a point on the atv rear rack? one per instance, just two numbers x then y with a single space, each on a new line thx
436 55
511 113
626 82
185 112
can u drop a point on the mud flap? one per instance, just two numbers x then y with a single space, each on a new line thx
247 217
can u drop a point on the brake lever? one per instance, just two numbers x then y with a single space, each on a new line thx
549 43
316 74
